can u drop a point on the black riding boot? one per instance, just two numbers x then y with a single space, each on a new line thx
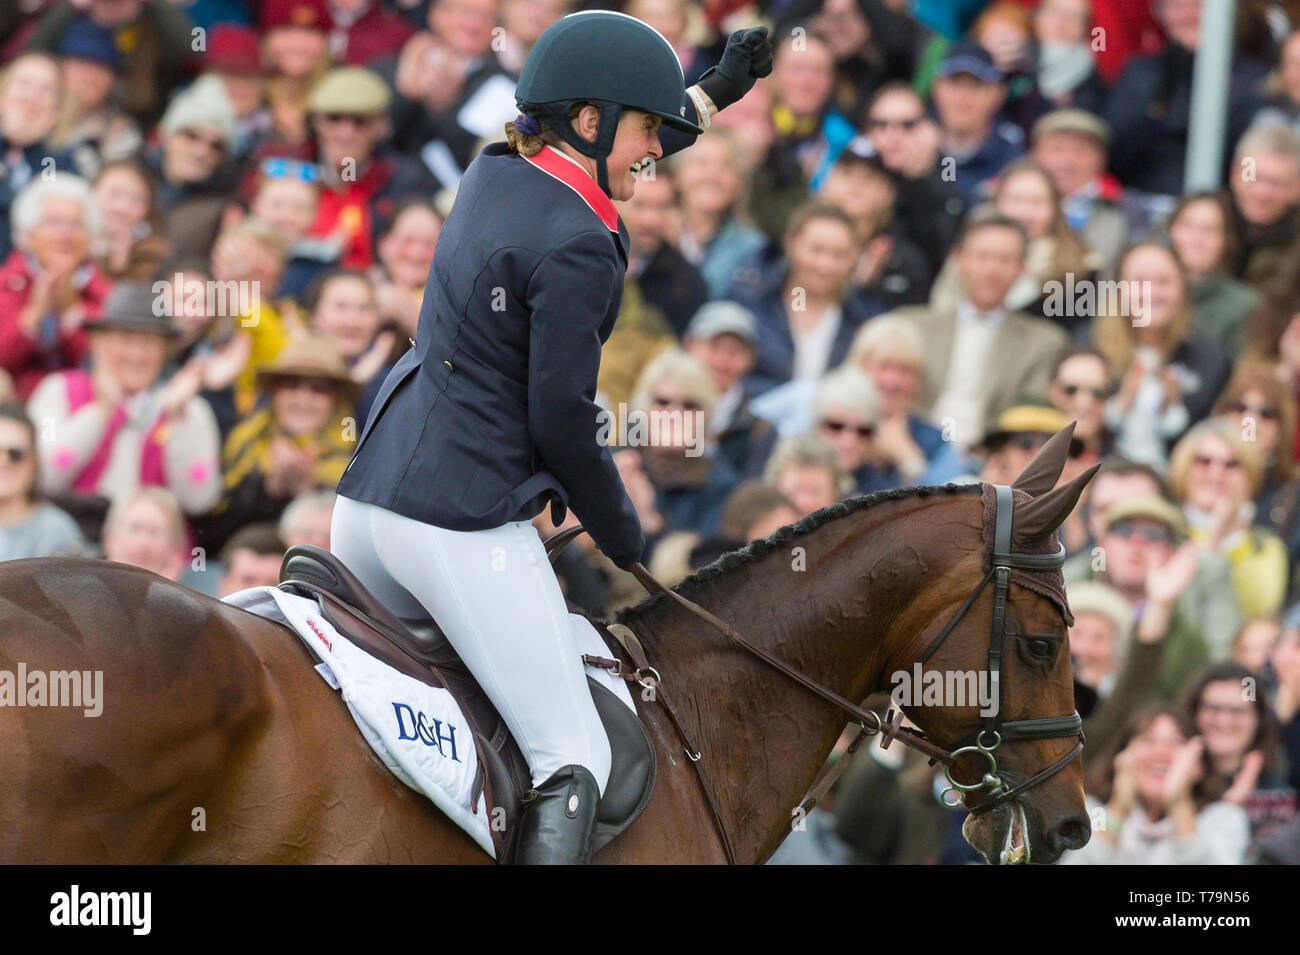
558 826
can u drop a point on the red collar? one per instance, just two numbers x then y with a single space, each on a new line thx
561 167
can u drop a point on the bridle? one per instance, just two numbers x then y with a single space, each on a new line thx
994 732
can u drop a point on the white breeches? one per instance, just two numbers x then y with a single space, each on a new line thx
495 596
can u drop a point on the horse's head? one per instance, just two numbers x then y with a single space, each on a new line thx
1015 744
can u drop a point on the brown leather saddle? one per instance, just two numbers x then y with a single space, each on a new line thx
420 650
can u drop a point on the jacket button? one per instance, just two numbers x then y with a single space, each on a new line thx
448 364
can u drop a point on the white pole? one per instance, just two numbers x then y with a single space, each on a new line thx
1209 107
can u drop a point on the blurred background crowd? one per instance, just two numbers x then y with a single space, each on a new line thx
904 258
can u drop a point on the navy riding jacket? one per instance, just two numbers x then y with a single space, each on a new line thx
492 414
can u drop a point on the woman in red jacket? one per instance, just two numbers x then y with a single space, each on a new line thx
50 284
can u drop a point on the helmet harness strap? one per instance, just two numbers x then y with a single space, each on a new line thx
557 117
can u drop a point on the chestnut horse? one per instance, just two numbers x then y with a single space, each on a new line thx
219 743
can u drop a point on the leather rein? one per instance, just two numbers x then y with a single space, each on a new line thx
870 723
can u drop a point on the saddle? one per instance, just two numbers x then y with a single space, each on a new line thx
420 649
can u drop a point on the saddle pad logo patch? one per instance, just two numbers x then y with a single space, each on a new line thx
413 724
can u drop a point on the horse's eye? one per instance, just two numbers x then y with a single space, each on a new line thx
1041 649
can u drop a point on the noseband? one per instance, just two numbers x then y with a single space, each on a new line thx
994 732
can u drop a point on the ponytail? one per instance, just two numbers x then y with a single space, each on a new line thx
526 135
525 144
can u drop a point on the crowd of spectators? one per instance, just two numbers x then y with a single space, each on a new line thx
939 231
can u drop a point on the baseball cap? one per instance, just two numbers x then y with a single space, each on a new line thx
723 318
967 57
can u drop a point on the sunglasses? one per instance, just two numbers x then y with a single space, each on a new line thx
280 168
1267 412
864 431
1152 533
1205 461
15 455
904 124
320 386
1072 390
688 404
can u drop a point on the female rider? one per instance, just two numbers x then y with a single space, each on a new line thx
491 415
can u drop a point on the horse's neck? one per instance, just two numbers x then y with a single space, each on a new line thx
816 603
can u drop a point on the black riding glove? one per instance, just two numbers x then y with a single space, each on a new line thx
748 57
625 560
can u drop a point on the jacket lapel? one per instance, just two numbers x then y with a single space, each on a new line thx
559 166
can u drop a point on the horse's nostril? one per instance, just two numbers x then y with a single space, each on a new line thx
1073 833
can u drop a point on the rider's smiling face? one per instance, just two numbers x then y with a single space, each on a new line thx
637 138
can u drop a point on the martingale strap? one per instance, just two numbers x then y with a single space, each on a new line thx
648 677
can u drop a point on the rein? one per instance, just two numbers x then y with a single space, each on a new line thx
891 727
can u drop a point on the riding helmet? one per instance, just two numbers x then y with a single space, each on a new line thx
611 60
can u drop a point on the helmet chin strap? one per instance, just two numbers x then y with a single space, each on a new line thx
602 176
604 144
557 115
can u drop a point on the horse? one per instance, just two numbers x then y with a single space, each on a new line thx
219 743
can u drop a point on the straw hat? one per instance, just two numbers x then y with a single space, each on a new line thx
350 89
1150 506
307 355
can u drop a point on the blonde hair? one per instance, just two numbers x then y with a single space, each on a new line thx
163 498
809 450
1180 461
850 388
675 365
889 336
740 164
1113 332
258 230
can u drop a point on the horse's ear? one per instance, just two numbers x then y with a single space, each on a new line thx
1044 469
1039 516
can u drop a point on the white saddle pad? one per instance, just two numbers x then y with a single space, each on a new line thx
417 730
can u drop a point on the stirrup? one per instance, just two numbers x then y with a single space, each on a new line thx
559 821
